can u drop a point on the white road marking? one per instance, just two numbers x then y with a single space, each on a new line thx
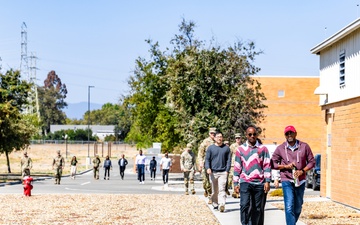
85 183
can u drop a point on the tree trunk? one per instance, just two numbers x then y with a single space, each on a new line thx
8 161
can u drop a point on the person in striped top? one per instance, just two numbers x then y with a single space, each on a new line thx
252 176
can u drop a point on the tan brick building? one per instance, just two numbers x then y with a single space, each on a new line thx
291 101
339 95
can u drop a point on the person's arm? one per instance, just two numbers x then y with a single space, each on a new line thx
201 156
228 161
207 161
237 171
30 163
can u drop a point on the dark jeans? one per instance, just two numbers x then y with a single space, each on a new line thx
141 172
153 172
165 176
293 200
251 203
107 170
122 170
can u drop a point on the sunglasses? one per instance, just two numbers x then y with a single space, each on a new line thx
252 134
289 133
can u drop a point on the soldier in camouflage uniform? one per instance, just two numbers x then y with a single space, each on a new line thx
187 163
26 165
233 148
96 166
201 162
58 165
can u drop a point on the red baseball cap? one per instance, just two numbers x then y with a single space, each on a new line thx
289 128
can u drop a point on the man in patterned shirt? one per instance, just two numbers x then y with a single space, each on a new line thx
187 163
252 176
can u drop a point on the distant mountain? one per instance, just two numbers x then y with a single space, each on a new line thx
77 110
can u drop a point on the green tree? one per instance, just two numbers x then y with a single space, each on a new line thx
212 86
16 128
52 100
177 95
152 121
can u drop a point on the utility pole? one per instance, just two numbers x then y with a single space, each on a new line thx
34 91
88 157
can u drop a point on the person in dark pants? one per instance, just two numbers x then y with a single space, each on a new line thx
252 175
165 166
140 167
153 165
107 167
122 165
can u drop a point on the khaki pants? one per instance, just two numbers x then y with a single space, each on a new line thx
218 182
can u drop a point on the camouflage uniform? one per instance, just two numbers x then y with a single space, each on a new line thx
201 159
187 163
96 166
233 148
58 166
26 165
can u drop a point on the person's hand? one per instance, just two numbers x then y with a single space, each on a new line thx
276 183
266 187
208 171
290 166
237 189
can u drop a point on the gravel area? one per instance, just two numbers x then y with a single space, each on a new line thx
325 212
105 209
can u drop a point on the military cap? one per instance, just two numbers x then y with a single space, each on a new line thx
58 151
237 135
212 130
189 145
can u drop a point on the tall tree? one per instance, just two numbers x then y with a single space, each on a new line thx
16 128
177 95
52 100
212 86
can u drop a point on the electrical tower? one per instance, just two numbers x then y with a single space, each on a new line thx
34 92
24 67
29 73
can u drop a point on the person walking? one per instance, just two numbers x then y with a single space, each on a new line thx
73 164
58 166
107 166
201 162
96 166
217 165
26 165
293 158
188 166
140 167
233 148
122 165
252 176
153 164
165 166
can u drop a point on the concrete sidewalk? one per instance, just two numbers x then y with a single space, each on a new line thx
231 216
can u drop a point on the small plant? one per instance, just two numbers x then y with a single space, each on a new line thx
277 192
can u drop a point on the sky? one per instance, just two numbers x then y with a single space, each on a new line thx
95 43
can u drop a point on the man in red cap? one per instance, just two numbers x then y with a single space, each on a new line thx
293 158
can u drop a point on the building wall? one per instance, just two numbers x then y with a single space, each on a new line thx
345 153
299 107
329 68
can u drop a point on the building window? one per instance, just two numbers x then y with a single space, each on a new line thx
342 69
281 93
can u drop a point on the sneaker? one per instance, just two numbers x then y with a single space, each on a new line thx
210 201
216 207
186 193
222 208
205 194
108 178
104 178
143 182
140 182
193 192
227 192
